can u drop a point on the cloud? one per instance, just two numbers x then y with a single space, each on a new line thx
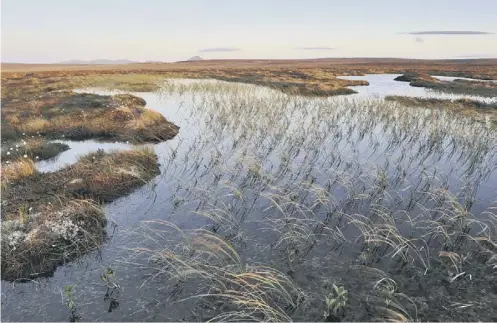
419 40
219 49
448 32
315 48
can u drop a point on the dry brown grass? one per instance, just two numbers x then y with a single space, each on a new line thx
484 112
305 77
82 116
17 170
34 125
100 176
482 66
108 176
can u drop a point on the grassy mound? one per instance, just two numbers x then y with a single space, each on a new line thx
412 76
48 218
34 244
458 86
478 110
82 116
37 149
306 82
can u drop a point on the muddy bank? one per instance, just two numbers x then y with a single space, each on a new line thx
48 218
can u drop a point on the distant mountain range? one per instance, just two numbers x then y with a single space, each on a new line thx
98 61
118 61
195 58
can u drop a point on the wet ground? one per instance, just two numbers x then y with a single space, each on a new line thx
215 151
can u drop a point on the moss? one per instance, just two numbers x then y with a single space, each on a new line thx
35 244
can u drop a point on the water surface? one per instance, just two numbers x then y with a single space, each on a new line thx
381 85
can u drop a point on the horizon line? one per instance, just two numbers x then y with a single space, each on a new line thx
460 57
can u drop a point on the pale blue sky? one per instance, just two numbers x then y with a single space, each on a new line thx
56 30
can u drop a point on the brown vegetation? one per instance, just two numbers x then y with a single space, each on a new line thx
46 217
37 149
306 77
458 86
70 115
17 170
476 109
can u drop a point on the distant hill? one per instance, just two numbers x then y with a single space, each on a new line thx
195 58
98 62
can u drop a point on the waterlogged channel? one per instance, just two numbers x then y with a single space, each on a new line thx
313 188
381 85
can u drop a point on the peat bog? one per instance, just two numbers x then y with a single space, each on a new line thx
260 198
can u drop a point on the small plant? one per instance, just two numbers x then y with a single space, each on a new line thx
109 278
68 291
113 288
23 215
335 303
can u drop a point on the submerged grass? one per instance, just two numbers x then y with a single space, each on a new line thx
235 291
381 198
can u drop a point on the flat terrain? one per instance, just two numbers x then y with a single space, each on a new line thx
313 77
456 65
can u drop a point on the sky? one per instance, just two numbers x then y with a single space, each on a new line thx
34 31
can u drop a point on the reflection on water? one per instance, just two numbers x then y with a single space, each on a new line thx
252 153
381 85
452 78
77 149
